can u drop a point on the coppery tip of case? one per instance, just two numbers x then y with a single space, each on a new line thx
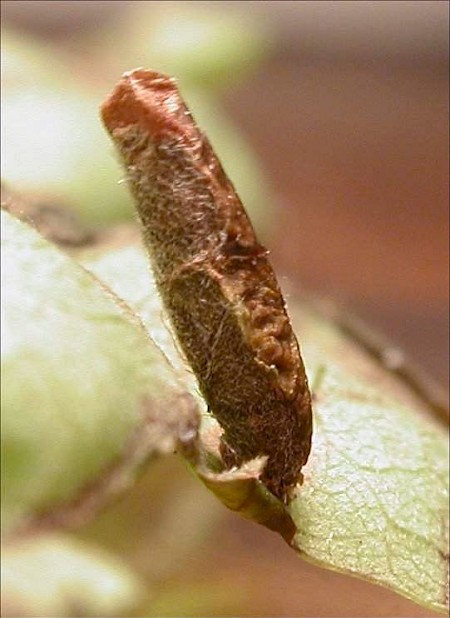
148 99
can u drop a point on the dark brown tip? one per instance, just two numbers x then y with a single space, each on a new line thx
148 99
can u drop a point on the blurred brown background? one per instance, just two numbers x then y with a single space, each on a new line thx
349 116
351 120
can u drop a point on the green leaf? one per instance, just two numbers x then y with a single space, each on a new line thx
87 397
138 290
54 575
374 503
375 498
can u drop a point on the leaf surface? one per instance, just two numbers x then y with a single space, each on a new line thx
87 397
375 497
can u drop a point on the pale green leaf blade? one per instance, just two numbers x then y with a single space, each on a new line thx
87 397
375 498
126 271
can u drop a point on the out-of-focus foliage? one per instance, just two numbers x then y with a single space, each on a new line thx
204 46
52 140
52 575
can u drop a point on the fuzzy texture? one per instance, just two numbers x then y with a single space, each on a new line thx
215 280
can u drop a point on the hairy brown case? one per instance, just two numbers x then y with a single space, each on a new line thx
215 280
